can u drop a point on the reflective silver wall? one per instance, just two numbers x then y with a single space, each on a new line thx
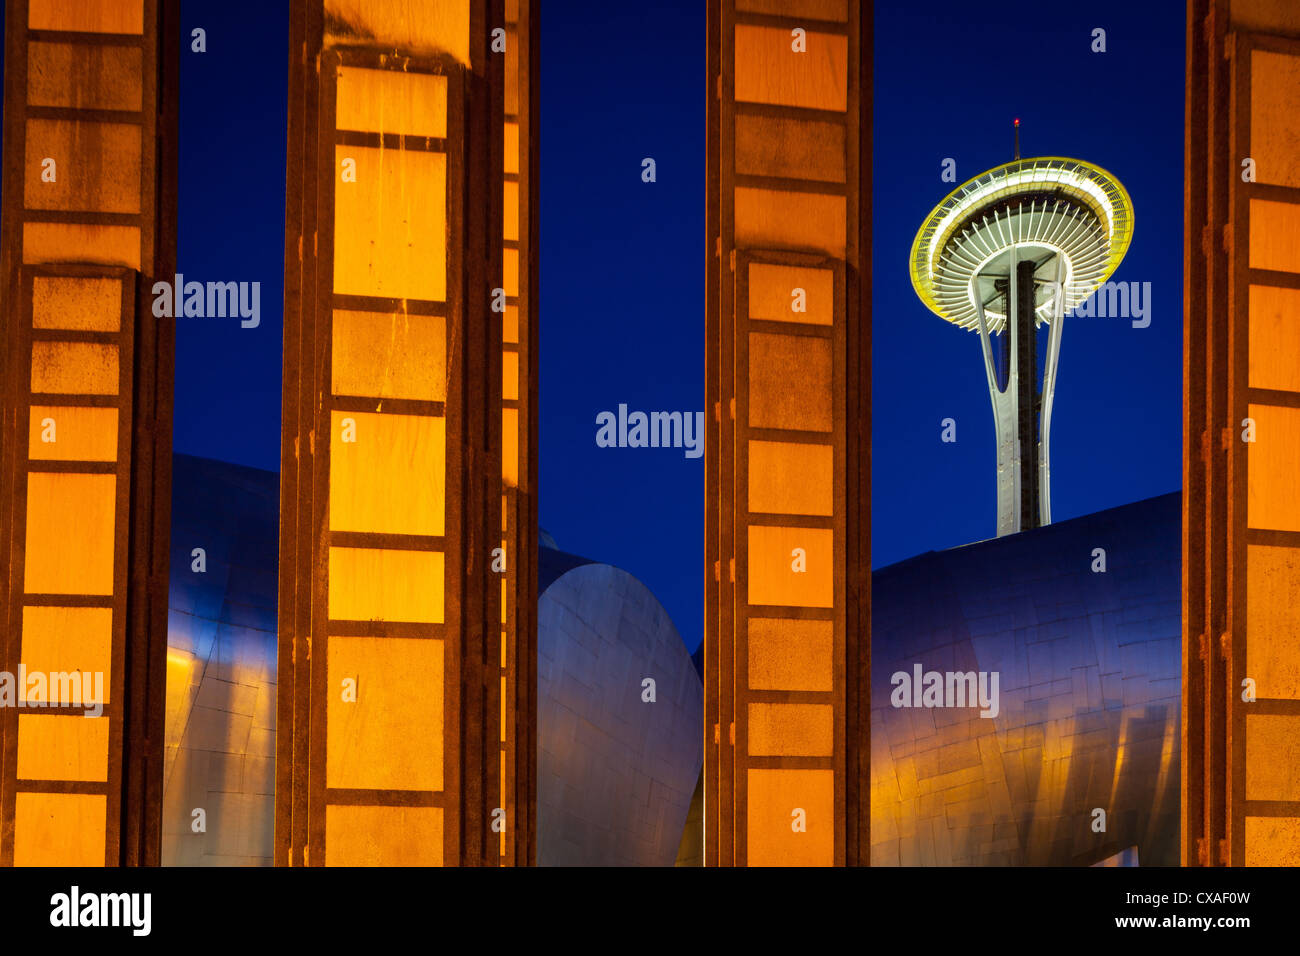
1089 685
615 773
616 770
1088 666
219 783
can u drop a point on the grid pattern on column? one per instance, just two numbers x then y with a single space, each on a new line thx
1264 473
68 560
518 430
1241 528
789 639
87 193
787 600
389 708
391 484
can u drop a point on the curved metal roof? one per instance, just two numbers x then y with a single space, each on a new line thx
1050 203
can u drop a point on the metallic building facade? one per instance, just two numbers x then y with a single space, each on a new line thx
1088 694
616 772
221 666
618 759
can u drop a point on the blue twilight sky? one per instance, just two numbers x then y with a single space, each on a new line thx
622 280
950 78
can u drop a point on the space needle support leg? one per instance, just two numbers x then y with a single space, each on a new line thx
1004 425
1049 391
987 345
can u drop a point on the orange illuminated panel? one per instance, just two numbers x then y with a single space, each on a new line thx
1272 583
770 70
1272 757
71 641
790 654
1274 318
62 747
392 477
789 382
84 304
96 166
773 219
791 730
790 478
77 242
791 293
70 541
790 817
1272 841
510 230
390 226
512 72
384 715
391 101
787 148
59 829
380 355
510 271
55 69
833 10
1274 106
428 25
375 584
512 148
510 376
1274 235
74 368
87 16
1273 495
791 566
69 433
383 836
510 446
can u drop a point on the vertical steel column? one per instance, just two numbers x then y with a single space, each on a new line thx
787 551
1027 392
1049 393
88 225
1241 710
391 711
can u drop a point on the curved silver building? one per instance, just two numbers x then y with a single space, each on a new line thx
219 773
1079 621
619 723
616 769
1071 635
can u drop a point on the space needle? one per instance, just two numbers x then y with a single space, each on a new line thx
1013 249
